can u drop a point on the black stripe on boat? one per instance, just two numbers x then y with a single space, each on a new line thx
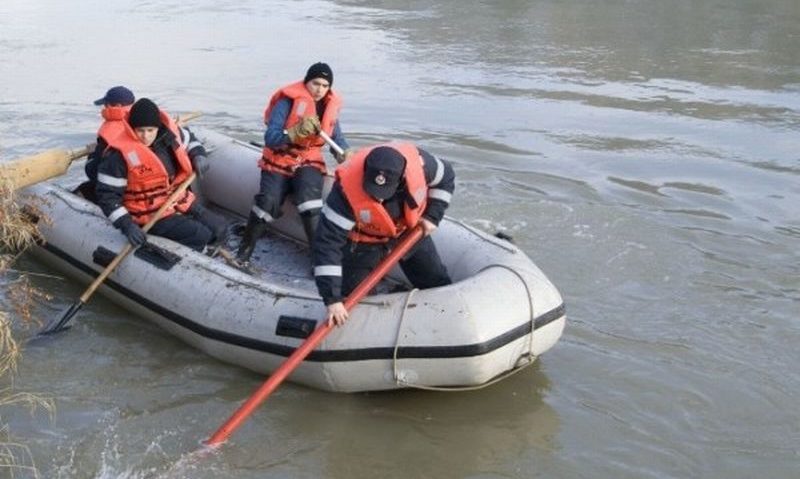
337 355
155 255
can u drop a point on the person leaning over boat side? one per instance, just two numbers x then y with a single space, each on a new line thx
378 194
292 160
148 156
116 103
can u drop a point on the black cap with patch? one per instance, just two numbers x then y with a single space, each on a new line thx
383 171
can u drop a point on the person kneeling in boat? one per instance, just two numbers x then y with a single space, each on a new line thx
292 160
378 194
148 156
116 103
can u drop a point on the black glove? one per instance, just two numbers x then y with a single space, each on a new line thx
201 165
136 236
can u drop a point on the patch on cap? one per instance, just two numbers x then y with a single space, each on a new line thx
383 169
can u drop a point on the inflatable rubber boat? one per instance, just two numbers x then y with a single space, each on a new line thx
498 316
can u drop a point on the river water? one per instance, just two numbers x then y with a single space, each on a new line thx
644 153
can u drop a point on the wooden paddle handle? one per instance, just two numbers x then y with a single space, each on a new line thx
187 117
338 149
81 152
129 247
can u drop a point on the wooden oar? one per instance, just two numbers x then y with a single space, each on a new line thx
316 337
48 164
187 117
51 163
60 323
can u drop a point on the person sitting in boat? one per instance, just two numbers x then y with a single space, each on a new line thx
116 103
292 160
148 156
378 194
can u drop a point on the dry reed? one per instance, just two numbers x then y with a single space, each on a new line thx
18 231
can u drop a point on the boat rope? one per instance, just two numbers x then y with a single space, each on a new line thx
530 301
523 362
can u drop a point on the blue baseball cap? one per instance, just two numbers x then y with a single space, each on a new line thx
116 95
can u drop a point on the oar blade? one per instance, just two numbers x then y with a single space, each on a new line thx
33 169
60 324
44 339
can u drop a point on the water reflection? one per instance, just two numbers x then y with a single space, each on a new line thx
708 42
427 434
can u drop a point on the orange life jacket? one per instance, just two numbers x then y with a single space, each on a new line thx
148 183
307 151
113 116
373 222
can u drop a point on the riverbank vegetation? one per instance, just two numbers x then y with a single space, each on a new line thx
17 233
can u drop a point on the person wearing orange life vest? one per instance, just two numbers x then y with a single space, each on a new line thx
116 103
148 156
292 160
378 194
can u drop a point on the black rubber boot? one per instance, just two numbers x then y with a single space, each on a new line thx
254 230
310 222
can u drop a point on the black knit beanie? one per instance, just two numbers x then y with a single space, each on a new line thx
144 113
319 70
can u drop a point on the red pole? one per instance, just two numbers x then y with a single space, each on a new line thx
294 360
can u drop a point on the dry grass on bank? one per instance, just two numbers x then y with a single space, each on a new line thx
17 232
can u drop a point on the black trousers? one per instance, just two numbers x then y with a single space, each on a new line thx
185 229
305 186
422 265
211 220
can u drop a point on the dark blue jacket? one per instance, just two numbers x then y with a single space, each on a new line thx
338 218
112 170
